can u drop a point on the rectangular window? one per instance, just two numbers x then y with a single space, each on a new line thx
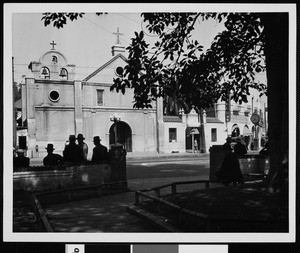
172 135
214 134
100 97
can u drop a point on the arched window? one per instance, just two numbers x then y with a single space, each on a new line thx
54 59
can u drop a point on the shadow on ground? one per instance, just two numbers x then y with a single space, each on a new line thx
247 208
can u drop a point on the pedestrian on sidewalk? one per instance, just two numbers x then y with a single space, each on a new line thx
230 171
195 145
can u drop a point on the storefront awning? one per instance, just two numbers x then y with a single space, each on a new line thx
194 131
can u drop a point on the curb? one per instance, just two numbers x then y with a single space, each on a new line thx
167 156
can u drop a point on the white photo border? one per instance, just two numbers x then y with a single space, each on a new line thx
9 236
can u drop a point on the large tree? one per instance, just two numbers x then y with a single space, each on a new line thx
177 67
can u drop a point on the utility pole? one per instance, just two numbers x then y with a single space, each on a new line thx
14 108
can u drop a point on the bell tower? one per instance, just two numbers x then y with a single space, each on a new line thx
52 102
53 66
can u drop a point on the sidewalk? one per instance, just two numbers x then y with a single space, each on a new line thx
102 214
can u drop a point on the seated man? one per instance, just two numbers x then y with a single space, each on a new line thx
21 160
265 150
52 159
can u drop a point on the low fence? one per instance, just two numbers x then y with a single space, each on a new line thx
177 215
53 178
43 178
190 221
41 216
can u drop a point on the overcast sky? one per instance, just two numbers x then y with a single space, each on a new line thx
85 42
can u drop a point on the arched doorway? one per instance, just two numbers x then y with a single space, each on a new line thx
192 134
120 132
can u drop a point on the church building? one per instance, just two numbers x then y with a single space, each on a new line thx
56 105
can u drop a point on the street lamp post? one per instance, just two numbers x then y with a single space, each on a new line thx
115 118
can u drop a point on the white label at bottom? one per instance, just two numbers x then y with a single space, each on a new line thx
203 249
74 248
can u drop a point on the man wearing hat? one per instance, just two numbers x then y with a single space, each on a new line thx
52 159
21 160
83 146
100 154
72 152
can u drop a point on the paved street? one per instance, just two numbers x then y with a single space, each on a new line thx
146 173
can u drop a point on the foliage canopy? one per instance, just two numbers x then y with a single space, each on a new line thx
177 67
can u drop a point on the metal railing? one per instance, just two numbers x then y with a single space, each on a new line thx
179 216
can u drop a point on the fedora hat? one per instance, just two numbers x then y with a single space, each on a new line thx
96 138
50 147
72 137
80 137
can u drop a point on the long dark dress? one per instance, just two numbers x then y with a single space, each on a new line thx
230 171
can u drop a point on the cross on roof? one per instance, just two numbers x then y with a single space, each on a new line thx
53 44
118 35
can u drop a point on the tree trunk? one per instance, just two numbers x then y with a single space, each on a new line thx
276 51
